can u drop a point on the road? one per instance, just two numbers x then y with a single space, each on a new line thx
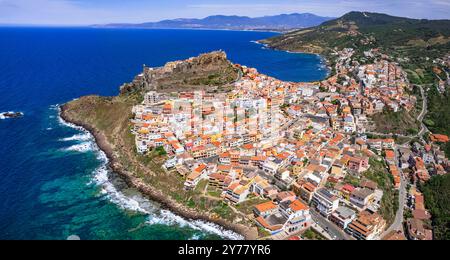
333 231
424 106
398 222
420 117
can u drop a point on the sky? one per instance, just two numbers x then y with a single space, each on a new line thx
86 12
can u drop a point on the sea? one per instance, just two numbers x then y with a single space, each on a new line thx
54 181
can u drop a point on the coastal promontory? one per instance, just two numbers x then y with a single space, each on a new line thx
108 119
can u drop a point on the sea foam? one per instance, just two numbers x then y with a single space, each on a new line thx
81 148
78 137
138 202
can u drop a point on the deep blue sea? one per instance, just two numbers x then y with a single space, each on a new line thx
53 180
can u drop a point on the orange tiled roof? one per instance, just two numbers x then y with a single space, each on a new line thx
439 138
266 206
298 206
390 154
200 168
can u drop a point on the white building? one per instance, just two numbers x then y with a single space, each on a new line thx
325 202
362 197
151 98
342 217
270 167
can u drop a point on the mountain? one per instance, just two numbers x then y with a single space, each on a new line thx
278 22
414 43
365 30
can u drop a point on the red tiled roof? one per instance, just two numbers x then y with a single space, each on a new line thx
266 206
298 205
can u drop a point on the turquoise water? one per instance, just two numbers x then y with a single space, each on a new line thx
53 179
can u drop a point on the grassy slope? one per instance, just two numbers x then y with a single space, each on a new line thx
380 175
437 199
438 117
389 203
112 117
400 123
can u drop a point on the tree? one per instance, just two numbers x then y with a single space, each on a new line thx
437 199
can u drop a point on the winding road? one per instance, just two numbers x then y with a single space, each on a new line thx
399 216
420 117
397 225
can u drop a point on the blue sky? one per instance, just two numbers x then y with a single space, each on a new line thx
79 12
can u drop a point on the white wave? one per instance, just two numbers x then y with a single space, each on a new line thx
132 203
138 203
155 214
195 237
49 129
81 148
63 122
115 196
218 230
168 218
78 137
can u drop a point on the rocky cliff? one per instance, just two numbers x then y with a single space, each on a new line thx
108 119
206 70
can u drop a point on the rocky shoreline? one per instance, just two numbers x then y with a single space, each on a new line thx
148 190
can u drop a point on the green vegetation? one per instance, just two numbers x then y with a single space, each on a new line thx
223 210
330 185
214 193
201 186
262 232
437 200
216 79
438 117
429 123
311 234
407 214
284 106
379 174
352 180
160 151
191 203
247 206
395 122
111 117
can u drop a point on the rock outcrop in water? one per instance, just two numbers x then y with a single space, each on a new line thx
206 70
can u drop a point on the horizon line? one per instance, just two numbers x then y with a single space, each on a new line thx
200 18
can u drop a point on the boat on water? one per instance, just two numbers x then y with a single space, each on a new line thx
10 114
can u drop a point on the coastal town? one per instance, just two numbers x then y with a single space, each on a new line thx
305 150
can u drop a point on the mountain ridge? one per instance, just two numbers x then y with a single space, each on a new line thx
280 22
375 28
